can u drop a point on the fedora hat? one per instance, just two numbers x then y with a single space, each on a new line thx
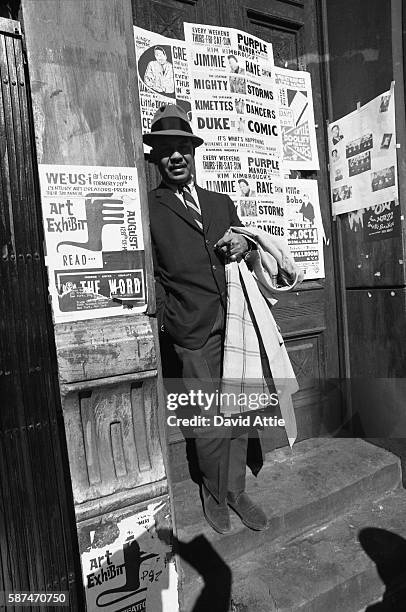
171 120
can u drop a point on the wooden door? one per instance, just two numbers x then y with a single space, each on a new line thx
307 317
38 541
372 265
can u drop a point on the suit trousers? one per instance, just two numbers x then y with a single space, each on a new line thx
222 460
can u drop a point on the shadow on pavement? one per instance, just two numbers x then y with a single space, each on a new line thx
388 551
215 595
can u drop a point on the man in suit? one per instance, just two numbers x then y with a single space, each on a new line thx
191 241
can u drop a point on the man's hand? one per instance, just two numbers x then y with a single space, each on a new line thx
232 245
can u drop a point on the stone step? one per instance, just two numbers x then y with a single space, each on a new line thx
309 419
355 563
315 482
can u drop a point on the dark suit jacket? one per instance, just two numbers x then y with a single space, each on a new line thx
189 274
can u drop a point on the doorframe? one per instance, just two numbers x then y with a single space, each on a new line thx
398 14
336 234
58 448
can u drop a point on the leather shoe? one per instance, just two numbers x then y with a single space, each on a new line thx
250 514
216 514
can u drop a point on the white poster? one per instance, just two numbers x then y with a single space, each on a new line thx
133 572
163 76
362 149
234 107
252 181
296 116
94 241
234 110
304 226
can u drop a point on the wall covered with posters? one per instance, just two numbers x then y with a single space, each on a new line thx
93 196
256 120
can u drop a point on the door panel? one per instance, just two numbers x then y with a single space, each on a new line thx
373 272
286 37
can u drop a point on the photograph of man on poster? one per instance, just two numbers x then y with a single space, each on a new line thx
245 188
234 65
336 136
159 72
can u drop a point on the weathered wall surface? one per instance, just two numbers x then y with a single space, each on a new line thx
83 80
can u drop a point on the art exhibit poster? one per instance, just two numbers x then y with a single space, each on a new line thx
134 571
362 147
304 226
94 240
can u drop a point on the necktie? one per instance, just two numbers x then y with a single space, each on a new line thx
191 205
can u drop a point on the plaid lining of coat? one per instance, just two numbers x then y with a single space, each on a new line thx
249 297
